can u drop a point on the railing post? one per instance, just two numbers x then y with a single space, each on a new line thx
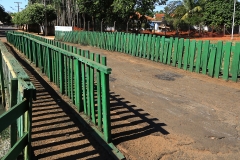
13 101
105 104
2 80
28 120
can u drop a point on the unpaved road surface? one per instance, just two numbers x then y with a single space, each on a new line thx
161 112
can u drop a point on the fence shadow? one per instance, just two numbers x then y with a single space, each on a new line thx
130 122
56 133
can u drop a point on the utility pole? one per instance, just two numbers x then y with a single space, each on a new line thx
234 8
45 25
18 5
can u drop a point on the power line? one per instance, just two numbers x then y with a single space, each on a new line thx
18 5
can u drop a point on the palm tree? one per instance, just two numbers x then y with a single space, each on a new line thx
191 6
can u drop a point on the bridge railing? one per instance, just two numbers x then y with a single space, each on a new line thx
81 75
221 60
17 94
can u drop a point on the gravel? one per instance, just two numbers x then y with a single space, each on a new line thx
4 142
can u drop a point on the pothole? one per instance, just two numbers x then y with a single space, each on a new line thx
111 79
168 76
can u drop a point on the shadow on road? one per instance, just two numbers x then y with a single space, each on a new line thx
130 122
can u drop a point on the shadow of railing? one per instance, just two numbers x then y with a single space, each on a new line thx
130 122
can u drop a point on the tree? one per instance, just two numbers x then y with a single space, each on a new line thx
217 15
116 10
4 16
185 12
35 14
192 16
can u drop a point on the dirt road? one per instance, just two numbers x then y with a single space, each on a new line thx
161 112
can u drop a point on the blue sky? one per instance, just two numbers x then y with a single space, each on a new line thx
158 8
9 4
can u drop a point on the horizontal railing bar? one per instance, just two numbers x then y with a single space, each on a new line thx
12 114
89 62
17 148
14 67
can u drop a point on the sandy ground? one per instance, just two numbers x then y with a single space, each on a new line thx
161 112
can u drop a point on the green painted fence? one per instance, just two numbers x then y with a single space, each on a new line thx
17 94
221 60
81 75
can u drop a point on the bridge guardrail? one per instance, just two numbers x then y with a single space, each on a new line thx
17 94
81 75
221 60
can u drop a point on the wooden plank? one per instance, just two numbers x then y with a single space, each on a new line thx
92 99
127 41
170 48
99 105
205 56
192 54
186 54
212 61
61 72
148 46
153 47
13 102
88 86
175 52
218 62
166 45
105 107
180 52
235 62
138 37
77 84
162 45
83 70
199 56
71 78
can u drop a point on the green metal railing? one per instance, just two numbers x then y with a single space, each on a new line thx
216 60
81 75
17 94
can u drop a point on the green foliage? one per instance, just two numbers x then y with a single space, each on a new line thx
117 10
215 13
179 14
35 13
4 16
220 12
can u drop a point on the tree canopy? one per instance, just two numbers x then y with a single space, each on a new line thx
215 13
35 14
4 16
220 12
114 10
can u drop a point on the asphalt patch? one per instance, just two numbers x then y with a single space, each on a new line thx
168 76
111 79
